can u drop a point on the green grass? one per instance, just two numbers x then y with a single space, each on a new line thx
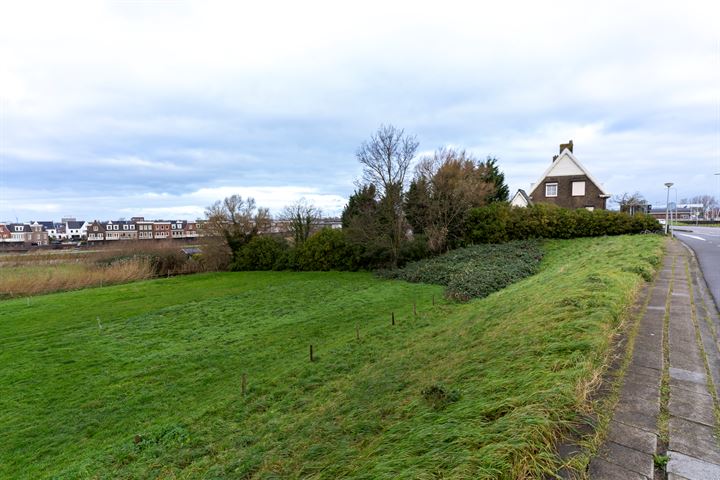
476 390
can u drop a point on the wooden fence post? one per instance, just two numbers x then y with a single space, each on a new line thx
393 318
311 354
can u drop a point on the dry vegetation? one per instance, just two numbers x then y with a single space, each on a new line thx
52 271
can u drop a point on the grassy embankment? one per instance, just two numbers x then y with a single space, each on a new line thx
144 380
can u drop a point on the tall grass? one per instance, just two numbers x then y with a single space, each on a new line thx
36 280
46 272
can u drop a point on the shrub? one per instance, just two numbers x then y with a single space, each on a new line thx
260 253
327 249
498 223
475 271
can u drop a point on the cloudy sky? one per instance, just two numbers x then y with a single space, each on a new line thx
158 108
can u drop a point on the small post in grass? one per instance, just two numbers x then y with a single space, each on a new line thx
414 309
392 317
311 353
244 383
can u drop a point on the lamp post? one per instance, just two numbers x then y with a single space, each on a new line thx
667 207
718 199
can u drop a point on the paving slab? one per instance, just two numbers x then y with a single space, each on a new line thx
628 458
635 369
691 386
637 418
692 468
603 470
633 437
693 406
687 375
694 439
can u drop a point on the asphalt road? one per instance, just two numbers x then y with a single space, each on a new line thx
705 242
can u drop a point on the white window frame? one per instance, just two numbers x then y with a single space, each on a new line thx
579 184
547 189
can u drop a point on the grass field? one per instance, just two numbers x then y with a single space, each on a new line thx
144 380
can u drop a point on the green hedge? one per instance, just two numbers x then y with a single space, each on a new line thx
260 253
475 271
500 222
325 250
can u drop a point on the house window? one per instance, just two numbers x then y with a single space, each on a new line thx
95 229
578 189
551 189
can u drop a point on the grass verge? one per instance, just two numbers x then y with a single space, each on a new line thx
144 380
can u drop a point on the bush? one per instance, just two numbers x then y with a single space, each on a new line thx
499 223
327 249
475 271
260 253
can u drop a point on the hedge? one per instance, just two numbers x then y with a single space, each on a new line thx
499 222
475 271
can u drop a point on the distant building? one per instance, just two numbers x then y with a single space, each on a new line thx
568 184
520 199
31 234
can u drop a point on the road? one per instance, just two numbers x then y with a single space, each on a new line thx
705 242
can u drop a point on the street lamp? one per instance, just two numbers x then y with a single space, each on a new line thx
718 199
667 206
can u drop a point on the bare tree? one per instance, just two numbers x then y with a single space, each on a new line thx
236 220
386 158
448 184
708 202
300 217
630 202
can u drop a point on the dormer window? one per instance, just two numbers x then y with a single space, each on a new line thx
551 189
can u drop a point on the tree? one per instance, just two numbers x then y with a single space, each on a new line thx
708 202
501 193
237 221
361 202
446 185
386 158
300 217
630 202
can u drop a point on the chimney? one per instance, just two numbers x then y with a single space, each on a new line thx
568 145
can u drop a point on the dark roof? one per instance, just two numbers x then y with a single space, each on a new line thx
525 195
47 225
75 225
26 227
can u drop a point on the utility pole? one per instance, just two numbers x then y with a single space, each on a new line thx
667 207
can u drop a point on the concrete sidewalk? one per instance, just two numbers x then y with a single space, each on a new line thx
676 351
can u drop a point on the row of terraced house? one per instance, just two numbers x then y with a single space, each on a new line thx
137 228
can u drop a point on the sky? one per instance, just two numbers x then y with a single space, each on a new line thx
113 109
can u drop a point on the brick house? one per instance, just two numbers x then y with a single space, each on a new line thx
5 234
190 230
568 184
161 229
95 232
